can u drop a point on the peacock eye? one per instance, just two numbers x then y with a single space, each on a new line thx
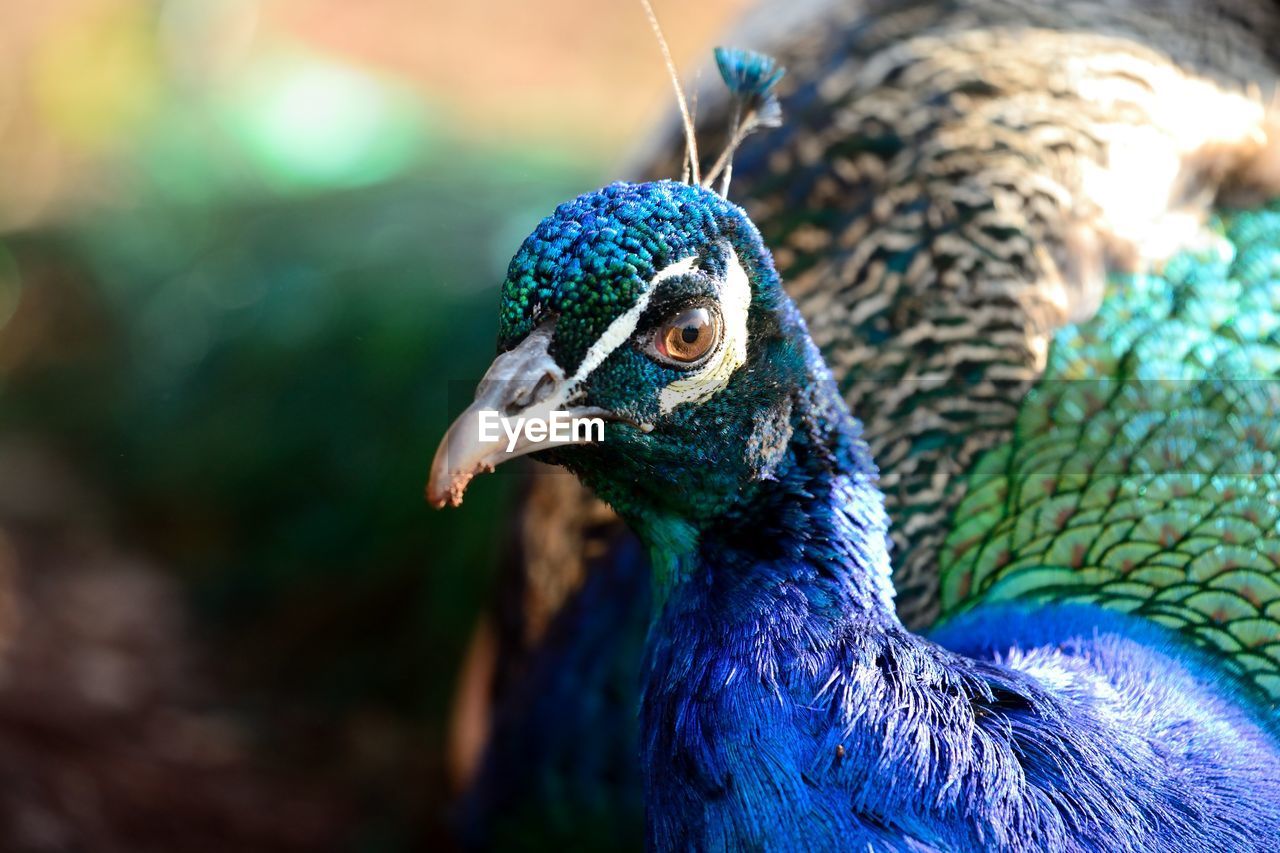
687 336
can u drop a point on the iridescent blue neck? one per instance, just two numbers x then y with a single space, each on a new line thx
778 588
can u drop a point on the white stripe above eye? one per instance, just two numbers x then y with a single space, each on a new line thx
735 304
623 327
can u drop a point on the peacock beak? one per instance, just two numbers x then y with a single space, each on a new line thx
522 389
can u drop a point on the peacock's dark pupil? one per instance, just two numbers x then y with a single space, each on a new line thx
688 335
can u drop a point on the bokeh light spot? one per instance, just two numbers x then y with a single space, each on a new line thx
314 124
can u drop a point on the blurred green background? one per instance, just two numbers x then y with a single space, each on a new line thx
245 248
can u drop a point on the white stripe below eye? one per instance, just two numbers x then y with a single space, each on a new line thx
735 303
624 326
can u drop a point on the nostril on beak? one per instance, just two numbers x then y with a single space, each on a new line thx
546 384
526 391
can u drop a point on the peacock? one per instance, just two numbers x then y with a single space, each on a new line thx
1026 240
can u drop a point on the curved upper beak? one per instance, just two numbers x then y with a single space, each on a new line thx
524 383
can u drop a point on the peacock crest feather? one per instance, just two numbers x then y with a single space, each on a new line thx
751 78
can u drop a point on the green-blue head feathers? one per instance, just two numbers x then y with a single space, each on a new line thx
595 255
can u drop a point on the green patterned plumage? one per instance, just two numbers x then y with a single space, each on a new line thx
1142 471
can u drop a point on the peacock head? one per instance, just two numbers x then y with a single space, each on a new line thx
654 308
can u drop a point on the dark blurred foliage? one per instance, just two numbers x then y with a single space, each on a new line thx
249 390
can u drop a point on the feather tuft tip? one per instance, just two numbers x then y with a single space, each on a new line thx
748 74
